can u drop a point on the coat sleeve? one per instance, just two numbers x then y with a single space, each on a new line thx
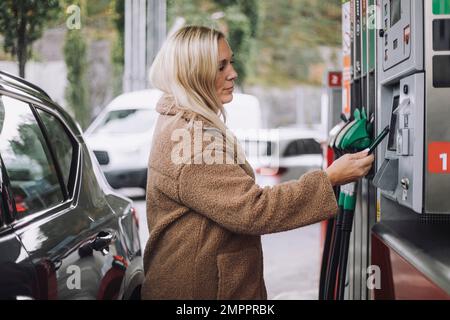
227 195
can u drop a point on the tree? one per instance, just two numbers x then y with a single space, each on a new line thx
76 62
289 37
118 54
240 18
239 38
22 22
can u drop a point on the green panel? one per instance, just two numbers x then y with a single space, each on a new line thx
441 6
350 202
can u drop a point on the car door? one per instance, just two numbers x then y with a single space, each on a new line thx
17 274
107 247
63 222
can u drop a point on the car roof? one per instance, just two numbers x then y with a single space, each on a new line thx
142 99
281 134
17 87
12 83
300 133
243 112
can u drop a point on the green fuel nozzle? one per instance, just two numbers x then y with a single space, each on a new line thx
357 136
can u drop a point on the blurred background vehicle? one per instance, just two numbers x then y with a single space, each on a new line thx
121 137
276 155
64 233
283 154
243 113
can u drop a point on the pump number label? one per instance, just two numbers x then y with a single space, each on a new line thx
439 157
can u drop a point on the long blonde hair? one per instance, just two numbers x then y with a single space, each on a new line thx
186 68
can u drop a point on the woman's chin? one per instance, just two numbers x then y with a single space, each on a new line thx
227 98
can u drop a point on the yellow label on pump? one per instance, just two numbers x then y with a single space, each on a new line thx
378 211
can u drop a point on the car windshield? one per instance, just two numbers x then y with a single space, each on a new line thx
127 121
254 148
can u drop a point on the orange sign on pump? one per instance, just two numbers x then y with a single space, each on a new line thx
438 157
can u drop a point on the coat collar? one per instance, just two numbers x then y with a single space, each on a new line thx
167 106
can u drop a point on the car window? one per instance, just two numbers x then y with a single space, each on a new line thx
253 148
127 121
302 147
61 143
27 159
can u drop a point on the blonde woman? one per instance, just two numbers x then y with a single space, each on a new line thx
206 217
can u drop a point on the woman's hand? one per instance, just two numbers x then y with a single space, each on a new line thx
350 167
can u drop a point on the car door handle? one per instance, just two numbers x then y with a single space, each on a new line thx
102 241
57 264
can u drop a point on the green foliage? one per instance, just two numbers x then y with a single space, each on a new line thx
97 7
119 18
194 11
22 22
97 17
289 36
76 62
240 20
251 9
275 42
239 38
118 51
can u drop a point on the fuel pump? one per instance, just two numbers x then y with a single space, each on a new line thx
396 67
413 69
414 91
407 86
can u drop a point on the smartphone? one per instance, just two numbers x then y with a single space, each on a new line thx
378 139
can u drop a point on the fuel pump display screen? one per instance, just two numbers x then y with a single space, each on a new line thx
396 11
392 140
441 35
441 71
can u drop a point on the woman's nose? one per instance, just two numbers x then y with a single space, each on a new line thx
233 75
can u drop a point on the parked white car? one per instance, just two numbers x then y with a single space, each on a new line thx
276 155
121 137
283 154
243 113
